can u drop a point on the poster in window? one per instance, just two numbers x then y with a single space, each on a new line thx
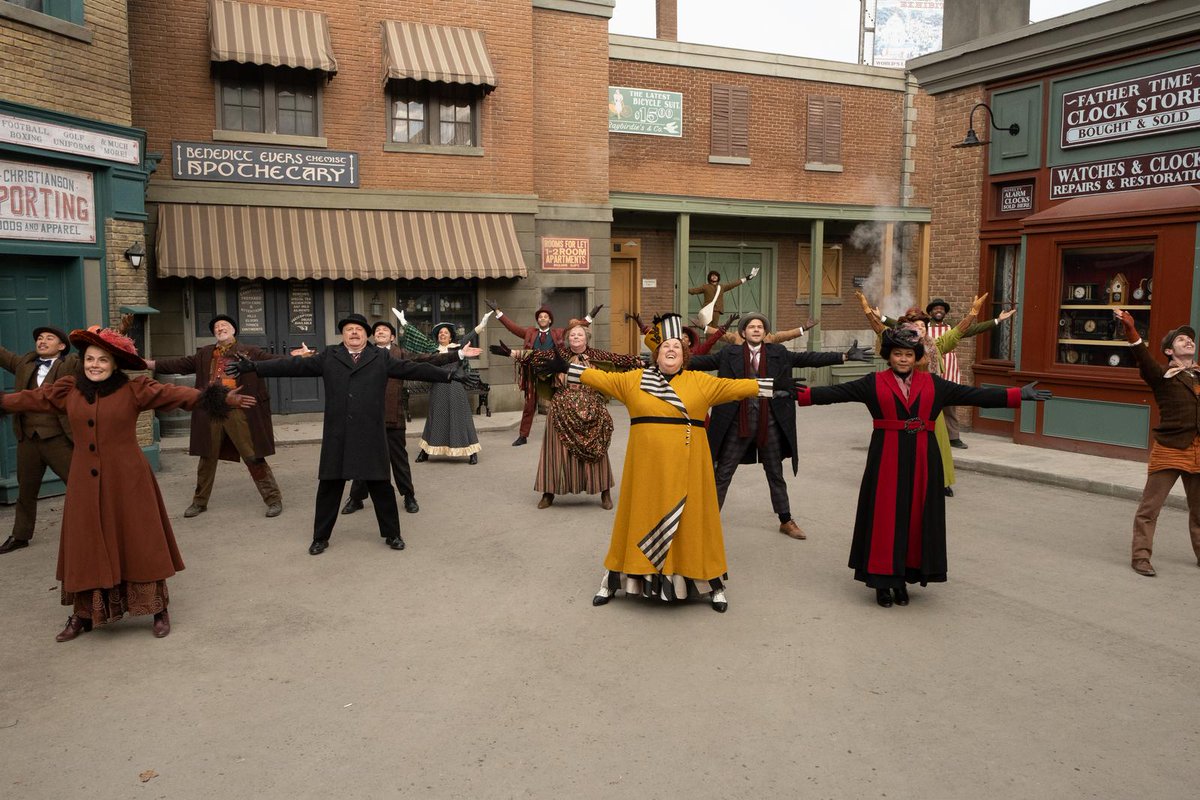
252 318
300 308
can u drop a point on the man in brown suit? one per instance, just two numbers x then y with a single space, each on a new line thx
43 440
384 336
1175 451
245 435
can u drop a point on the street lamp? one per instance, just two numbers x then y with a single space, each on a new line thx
136 254
971 140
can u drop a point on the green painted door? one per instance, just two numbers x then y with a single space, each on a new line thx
731 263
33 292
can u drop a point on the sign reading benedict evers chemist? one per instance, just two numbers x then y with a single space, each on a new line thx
1159 103
245 163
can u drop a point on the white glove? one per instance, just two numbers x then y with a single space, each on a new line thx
753 274
400 317
483 322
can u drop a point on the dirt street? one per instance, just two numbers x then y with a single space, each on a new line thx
473 665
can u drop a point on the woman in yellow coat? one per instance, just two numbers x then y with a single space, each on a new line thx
666 539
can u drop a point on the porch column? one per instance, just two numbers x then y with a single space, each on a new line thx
889 238
816 279
683 244
923 266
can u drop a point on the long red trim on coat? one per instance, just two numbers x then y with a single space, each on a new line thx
883 527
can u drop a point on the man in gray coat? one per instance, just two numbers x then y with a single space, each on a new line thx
354 438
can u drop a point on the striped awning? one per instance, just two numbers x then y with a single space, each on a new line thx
275 36
436 53
206 241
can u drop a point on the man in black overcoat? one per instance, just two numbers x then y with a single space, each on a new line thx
354 438
761 430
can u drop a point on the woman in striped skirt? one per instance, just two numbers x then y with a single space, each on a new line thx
574 457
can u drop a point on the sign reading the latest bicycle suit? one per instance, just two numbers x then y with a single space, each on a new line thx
649 112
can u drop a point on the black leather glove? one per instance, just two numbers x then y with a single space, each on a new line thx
554 365
732 318
239 367
501 349
492 305
1028 392
785 383
592 314
856 353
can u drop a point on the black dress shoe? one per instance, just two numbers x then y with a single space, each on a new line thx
520 440
958 443
11 544
317 547
422 456
351 506
601 599
901 595
474 459
884 597
948 492
410 505
394 542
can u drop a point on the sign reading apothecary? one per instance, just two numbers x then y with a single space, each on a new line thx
46 203
568 255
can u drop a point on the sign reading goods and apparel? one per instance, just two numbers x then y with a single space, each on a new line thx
46 203
244 163
1148 171
1159 103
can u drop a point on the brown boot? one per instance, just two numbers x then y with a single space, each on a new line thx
162 624
1142 567
606 500
792 529
546 501
75 626
264 481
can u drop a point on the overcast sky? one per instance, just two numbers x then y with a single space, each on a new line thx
812 28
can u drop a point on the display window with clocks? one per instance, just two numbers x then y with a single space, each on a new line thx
1095 281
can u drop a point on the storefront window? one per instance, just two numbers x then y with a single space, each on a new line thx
1096 280
1004 295
427 303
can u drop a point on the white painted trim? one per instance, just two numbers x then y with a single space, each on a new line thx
595 8
737 160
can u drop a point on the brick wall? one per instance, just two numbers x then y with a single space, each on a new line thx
570 126
957 194
51 71
172 40
872 121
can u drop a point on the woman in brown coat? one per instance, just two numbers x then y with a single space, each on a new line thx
117 549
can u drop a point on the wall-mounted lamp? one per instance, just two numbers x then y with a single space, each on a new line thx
376 306
971 140
136 254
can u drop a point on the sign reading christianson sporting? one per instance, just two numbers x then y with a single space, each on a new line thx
1149 171
246 163
1159 103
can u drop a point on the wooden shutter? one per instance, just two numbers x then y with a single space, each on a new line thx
831 271
824 130
739 121
721 123
816 130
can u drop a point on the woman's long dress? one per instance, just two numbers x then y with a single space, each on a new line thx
117 548
666 538
900 527
449 425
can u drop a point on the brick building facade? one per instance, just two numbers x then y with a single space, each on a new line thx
72 182
1085 199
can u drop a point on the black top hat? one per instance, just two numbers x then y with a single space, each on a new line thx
934 303
385 324
212 323
354 319
59 332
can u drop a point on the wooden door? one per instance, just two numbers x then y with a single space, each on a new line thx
278 316
623 291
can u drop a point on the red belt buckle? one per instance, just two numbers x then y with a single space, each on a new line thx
914 425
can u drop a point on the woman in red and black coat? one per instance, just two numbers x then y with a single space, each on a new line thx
900 529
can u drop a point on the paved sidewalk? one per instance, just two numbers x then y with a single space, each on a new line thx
992 455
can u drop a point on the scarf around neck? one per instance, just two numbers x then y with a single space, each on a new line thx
760 435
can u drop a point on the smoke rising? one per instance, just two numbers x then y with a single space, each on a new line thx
870 237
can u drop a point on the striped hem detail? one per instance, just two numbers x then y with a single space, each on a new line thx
657 543
574 371
766 387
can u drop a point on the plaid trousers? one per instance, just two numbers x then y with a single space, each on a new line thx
770 455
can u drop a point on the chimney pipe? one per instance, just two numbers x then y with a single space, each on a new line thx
666 20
